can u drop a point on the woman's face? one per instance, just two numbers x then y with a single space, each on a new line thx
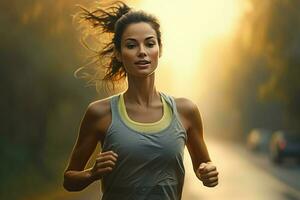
140 50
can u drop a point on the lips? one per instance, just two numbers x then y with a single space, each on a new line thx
142 62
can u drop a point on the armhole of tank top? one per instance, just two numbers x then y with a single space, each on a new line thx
113 112
177 117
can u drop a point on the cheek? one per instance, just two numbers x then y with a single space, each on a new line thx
154 53
127 56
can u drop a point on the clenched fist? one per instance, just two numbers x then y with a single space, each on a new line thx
105 162
208 174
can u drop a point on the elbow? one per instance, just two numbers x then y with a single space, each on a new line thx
68 185
70 189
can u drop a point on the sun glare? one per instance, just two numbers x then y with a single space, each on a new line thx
187 28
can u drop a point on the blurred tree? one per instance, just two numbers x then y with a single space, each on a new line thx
41 102
260 82
273 33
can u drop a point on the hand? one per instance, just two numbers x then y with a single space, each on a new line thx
208 174
105 162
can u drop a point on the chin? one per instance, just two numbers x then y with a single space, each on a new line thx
143 73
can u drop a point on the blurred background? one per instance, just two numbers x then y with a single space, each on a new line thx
238 60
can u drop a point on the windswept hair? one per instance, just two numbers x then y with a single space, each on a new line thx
110 21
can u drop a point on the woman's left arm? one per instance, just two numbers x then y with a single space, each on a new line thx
204 169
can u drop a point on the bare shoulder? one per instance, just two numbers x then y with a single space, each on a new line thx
185 106
188 112
99 113
99 108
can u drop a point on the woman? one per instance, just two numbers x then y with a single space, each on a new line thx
142 131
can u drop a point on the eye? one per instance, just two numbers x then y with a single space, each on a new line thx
130 46
151 44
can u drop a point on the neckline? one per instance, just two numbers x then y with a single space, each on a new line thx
123 107
173 119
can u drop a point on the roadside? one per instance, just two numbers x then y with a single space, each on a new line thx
288 172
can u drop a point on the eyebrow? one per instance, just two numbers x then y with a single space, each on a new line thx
147 38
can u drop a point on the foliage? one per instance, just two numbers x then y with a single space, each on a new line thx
42 102
265 86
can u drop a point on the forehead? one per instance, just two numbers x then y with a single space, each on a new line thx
138 31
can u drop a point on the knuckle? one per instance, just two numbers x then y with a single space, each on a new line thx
108 168
109 162
114 159
111 157
212 179
97 165
100 159
111 153
112 163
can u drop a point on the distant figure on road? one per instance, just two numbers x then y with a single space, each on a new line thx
142 131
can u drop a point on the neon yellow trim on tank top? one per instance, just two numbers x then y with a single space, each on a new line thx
146 127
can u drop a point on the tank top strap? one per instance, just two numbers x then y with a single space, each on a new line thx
114 107
171 101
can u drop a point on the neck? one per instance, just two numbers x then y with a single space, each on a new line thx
141 91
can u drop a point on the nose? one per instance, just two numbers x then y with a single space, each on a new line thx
142 51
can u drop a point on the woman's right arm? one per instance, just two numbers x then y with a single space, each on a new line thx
92 128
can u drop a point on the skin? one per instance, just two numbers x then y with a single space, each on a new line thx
143 104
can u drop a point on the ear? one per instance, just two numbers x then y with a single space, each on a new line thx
160 50
118 55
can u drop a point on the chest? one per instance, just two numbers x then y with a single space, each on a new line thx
142 147
144 115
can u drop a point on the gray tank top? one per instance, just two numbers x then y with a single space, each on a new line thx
149 165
